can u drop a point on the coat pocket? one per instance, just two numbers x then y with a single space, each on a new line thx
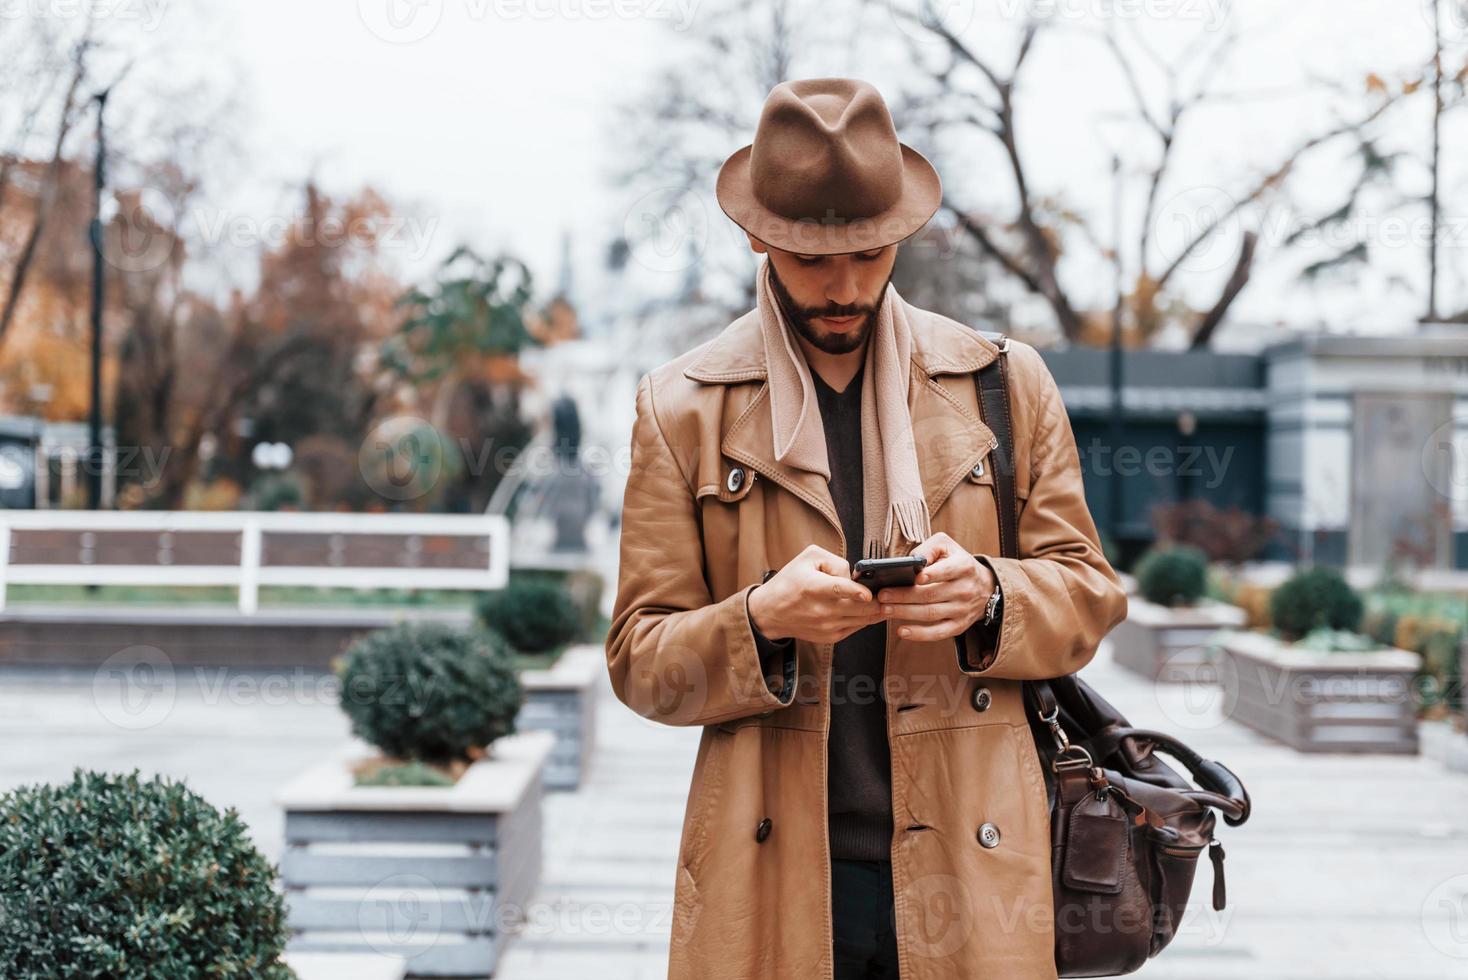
703 792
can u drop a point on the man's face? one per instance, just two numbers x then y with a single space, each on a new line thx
831 300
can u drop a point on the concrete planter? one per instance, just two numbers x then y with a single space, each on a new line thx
562 700
1171 644
1321 702
1442 743
434 875
346 966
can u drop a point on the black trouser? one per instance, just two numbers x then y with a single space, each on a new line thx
865 927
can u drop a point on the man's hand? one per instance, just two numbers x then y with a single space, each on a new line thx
813 598
948 597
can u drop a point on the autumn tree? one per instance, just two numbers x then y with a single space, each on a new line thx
457 350
976 93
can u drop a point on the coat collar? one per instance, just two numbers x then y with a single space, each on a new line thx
950 435
940 346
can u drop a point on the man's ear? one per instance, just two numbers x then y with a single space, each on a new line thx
756 244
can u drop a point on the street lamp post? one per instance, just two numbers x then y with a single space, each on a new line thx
1116 511
94 419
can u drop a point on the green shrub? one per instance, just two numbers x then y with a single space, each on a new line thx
532 614
278 491
1176 576
406 774
113 876
1313 598
1326 640
429 692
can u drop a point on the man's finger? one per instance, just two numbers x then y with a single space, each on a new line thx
832 564
948 567
849 590
920 595
927 612
933 631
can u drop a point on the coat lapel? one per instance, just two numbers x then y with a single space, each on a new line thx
950 436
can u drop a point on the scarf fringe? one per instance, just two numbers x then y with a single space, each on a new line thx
911 516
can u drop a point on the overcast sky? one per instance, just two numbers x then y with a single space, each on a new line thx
486 121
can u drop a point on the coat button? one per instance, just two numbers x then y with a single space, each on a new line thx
989 835
736 479
978 470
763 830
982 699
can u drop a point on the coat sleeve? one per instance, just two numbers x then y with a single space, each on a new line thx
674 654
1061 597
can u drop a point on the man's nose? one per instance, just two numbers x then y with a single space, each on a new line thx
841 289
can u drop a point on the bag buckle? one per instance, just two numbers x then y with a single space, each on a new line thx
1067 756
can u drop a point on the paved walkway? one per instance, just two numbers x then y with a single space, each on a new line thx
1352 867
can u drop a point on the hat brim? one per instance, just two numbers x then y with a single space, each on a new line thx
922 193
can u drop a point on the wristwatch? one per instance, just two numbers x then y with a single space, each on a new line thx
991 609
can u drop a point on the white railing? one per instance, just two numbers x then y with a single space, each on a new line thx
248 574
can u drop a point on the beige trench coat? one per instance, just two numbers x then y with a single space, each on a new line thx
752 895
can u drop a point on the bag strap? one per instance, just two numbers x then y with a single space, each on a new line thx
992 381
1221 788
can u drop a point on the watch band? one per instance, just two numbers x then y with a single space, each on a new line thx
991 609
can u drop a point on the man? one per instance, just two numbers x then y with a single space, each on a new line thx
867 800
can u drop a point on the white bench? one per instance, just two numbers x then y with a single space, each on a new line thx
248 549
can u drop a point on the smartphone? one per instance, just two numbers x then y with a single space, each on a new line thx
883 573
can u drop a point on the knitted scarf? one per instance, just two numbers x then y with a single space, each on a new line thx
892 489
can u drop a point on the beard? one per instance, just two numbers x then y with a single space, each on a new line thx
801 318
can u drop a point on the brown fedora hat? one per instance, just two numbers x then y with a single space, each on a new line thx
825 173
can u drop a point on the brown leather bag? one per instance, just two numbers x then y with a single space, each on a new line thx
1126 828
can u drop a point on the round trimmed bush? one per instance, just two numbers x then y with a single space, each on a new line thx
532 614
1314 598
1175 576
114 876
430 692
